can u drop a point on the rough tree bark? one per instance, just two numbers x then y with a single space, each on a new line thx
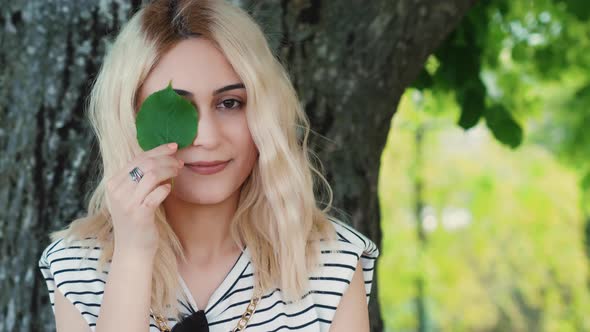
350 62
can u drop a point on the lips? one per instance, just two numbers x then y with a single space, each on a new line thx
208 163
206 168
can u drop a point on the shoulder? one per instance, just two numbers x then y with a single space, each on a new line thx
338 261
74 254
351 238
350 245
71 265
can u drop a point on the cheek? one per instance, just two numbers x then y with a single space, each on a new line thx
245 145
242 138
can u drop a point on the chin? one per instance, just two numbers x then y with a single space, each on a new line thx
201 198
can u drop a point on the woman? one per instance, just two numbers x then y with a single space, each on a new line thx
239 244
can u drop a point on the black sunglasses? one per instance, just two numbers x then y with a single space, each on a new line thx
195 322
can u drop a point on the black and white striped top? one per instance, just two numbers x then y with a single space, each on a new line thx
63 267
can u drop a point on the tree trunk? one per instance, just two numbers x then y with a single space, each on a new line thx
350 62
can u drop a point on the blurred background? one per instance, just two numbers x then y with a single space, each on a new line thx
454 134
486 229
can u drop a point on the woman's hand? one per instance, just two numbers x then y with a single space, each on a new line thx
132 205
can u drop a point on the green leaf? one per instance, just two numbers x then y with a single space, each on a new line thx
472 101
166 117
503 125
423 81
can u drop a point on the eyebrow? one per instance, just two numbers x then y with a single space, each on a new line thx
218 91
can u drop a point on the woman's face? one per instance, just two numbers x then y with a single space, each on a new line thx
196 66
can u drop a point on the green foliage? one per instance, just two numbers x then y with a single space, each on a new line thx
503 126
586 181
504 53
508 236
578 8
504 249
166 117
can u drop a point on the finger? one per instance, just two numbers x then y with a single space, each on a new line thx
156 197
123 179
150 181
160 150
147 163
143 158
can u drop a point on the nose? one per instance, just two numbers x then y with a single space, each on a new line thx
208 131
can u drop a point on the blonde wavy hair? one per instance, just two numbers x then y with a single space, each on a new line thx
277 215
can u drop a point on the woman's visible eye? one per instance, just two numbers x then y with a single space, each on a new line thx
230 104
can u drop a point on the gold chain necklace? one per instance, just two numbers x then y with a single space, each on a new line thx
163 326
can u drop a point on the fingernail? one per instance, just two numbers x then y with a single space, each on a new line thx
172 145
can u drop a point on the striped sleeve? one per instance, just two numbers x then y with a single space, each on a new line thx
72 268
339 260
363 248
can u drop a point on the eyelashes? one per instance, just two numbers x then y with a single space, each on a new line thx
231 104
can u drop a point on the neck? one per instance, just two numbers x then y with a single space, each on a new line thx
203 229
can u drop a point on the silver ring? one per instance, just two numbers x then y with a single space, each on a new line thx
136 174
